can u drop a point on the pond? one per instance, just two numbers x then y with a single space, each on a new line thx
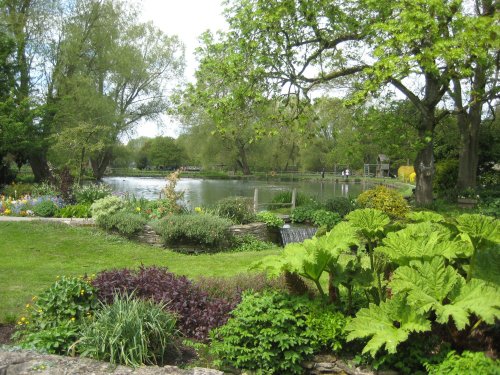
205 192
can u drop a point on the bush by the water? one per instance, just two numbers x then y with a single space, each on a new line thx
274 333
88 194
465 363
125 223
384 199
271 219
237 209
195 229
52 322
106 206
130 332
284 199
197 312
340 205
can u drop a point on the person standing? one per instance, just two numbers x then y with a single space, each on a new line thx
347 173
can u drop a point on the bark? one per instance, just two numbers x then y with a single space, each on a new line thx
40 167
242 160
100 162
424 169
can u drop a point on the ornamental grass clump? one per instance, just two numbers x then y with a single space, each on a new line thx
130 332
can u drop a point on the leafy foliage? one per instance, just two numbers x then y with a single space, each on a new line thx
45 208
75 210
324 218
369 222
52 321
273 333
204 230
88 194
125 223
197 312
237 209
106 206
130 332
389 324
272 220
384 199
340 205
465 363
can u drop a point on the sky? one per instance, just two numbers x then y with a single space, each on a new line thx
187 19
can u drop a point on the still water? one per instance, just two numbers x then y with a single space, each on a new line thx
205 192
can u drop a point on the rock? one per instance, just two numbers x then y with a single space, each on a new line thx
23 362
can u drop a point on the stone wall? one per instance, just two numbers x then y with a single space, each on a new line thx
150 237
258 230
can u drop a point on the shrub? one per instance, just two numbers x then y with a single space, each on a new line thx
204 230
51 323
340 205
106 206
130 332
444 182
273 333
285 197
75 210
237 209
125 223
384 199
231 288
45 208
197 313
272 220
303 214
88 194
160 208
324 218
466 363
250 243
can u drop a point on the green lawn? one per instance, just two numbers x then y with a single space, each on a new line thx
32 255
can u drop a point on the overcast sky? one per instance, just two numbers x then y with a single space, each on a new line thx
187 19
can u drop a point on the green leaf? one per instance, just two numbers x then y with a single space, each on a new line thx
422 241
423 216
370 222
479 227
388 324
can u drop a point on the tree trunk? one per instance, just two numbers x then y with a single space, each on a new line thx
242 160
40 167
99 163
424 169
469 149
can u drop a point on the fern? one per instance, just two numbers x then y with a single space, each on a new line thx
387 324
423 241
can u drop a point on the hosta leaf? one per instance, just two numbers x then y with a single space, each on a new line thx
388 324
479 227
427 284
422 241
425 216
369 221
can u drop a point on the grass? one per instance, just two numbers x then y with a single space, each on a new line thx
33 253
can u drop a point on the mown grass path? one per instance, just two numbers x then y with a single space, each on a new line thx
33 254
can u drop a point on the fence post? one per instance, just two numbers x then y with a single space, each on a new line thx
256 200
294 196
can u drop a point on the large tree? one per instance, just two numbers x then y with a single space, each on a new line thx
113 72
406 45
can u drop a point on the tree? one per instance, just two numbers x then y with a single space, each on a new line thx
111 62
230 94
475 83
164 152
406 45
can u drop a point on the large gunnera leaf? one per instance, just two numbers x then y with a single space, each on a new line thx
479 228
388 324
425 216
369 221
423 241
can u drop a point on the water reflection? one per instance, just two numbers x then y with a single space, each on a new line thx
204 192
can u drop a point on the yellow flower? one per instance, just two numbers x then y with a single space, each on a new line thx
28 305
23 319
82 292
198 209
138 209
7 211
73 319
